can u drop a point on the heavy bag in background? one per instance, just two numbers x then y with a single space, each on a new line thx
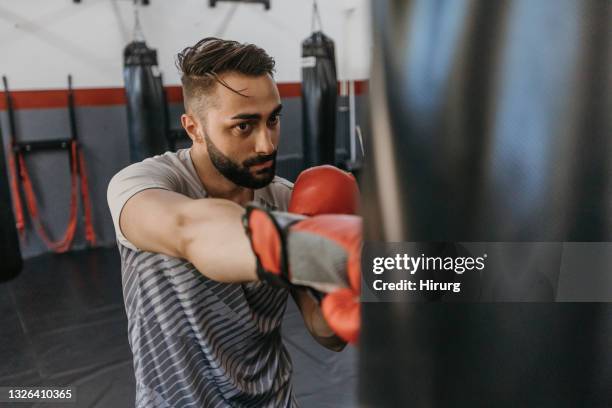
319 96
492 122
10 253
145 102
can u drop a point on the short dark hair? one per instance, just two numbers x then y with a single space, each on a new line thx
201 64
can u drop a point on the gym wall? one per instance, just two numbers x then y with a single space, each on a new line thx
42 42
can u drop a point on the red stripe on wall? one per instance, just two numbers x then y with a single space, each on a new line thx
361 87
58 98
98 97
290 90
174 94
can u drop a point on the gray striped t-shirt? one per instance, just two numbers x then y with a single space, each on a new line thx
197 342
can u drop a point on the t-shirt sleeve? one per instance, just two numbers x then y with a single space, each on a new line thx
150 173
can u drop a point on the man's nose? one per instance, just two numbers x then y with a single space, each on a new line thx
264 142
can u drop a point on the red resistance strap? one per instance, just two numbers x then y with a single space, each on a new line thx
15 192
77 168
90 234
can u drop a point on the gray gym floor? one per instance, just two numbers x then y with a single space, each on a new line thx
64 323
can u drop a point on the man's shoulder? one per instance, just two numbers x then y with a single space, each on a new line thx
281 184
167 158
166 171
277 193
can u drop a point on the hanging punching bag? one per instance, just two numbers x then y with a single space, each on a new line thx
10 253
145 102
319 96
491 123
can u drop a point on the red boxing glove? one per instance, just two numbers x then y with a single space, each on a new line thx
316 252
324 190
341 310
329 190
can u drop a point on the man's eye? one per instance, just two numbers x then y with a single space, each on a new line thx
244 127
274 120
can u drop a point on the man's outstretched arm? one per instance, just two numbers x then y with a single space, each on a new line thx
206 232
228 244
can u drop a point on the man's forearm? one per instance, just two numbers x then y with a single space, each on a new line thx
213 240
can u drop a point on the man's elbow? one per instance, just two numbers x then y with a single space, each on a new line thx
338 347
333 343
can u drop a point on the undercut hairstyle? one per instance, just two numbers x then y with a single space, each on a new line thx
201 65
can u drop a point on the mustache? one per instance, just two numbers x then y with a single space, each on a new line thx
259 160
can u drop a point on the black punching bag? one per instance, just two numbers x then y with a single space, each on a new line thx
10 254
145 102
492 122
319 96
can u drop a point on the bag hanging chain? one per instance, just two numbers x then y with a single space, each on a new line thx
316 17
137 35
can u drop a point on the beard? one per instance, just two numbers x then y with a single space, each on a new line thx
240 174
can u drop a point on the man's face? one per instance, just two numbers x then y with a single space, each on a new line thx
242 133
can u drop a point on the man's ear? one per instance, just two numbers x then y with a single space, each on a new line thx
192 127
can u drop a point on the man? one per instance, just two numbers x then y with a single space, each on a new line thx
203 329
